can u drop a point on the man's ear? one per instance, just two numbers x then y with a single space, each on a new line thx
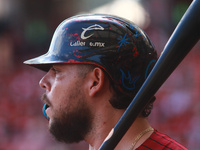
96 81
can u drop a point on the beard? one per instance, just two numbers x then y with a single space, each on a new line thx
72 125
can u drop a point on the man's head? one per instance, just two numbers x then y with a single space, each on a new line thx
116 45
101 44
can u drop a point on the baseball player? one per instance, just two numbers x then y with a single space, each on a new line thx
95 65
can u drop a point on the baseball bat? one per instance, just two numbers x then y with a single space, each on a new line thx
184 37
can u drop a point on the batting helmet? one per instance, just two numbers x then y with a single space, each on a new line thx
116 45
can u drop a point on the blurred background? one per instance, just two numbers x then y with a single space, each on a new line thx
26 29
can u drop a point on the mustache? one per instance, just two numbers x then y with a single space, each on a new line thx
45 99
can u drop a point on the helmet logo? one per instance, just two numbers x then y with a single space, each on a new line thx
127 82
122 41
92 27
147 70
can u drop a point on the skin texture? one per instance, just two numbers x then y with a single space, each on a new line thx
79 107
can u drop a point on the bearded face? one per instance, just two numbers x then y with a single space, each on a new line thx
72 126
70 117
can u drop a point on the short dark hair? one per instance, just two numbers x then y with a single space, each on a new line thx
120 100
83 69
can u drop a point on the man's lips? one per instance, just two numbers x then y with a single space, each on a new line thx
45 99
44 111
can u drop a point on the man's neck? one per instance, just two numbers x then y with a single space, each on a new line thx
136 130
101 128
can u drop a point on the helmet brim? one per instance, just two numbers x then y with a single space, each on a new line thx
43 62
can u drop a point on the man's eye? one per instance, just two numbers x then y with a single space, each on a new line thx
54 70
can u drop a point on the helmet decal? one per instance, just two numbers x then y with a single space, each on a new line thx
78 40
147 70
135 52
122 41
127 81
92 27
137 32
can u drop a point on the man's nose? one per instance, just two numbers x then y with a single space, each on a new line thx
44 83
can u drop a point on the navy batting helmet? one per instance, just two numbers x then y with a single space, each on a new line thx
114 44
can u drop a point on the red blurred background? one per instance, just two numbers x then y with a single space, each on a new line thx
26 28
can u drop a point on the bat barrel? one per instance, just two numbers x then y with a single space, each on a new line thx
184 37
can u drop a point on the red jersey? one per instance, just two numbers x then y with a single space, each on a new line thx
160 141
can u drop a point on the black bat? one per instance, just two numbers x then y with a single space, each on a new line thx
184 37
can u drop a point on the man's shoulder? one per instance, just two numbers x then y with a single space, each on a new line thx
160 141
